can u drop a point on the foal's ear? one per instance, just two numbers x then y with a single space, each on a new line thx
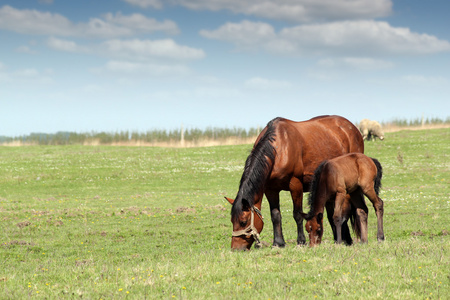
304 216
319 217
230 200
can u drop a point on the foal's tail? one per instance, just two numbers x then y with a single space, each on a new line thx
377 183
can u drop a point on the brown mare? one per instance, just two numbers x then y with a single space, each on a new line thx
339 185
284 157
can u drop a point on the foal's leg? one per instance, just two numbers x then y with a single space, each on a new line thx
361 218
338 217
379 210
330 212
274 202
346 212
361 215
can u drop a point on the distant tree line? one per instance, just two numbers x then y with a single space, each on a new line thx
418 122
151 136
166 136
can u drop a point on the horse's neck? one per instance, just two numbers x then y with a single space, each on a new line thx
319 202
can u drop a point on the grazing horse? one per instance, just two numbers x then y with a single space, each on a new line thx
284 157
339 185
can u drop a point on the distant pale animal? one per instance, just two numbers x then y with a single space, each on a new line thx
371 129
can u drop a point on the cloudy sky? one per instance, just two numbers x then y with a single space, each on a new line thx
115 65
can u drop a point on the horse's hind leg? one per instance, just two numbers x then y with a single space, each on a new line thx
361 218
274 202
378 205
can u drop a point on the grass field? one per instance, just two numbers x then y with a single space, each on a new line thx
138 222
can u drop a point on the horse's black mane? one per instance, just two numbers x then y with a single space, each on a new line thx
257 168
314 188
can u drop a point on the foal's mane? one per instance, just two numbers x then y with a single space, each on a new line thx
314 188
257 169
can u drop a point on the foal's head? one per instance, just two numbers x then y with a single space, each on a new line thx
314 226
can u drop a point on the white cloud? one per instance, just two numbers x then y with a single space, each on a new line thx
25 49
361 63
33 22
46 23
133 50
144 49
346 37
244 34
65 45
267 84
146 3
140 23
425 80
295 10
132 68
26 76
367 36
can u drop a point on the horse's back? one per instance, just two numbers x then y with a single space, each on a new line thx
327 137
355 169
302 146
341 131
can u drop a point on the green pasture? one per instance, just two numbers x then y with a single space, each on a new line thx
138 222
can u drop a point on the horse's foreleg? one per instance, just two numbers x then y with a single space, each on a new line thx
274 201
296 188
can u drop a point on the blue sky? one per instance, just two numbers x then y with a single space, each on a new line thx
113 65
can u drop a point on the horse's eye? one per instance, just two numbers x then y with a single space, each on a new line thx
243 223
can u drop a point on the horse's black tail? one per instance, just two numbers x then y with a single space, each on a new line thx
377 183
315 186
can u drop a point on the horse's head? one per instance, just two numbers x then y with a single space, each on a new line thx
314 226
246 226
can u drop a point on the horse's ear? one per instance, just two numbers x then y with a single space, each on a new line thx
319 217
230 200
